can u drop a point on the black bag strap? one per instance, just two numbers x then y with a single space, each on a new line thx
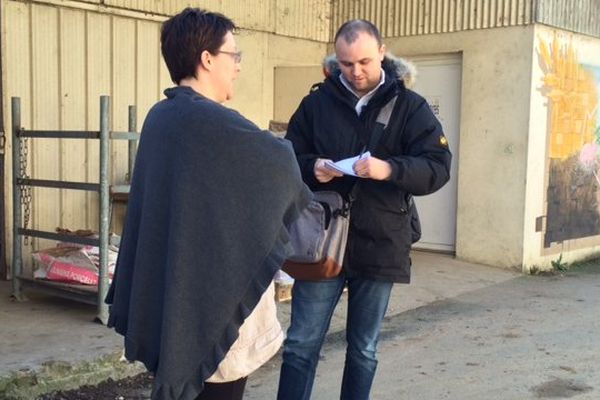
383 118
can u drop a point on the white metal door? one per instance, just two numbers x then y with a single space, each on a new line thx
439 82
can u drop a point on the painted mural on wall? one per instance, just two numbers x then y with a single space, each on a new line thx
573 192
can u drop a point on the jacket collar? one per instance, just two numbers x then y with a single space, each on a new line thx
334 86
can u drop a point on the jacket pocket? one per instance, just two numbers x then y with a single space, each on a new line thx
367 251
379 223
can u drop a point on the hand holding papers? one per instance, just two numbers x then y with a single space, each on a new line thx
346 166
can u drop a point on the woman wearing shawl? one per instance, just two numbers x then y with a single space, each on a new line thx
206 228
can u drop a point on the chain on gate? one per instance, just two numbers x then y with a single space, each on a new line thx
25 190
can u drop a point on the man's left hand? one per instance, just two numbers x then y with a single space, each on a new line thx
373 168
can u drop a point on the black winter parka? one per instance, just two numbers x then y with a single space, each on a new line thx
326 125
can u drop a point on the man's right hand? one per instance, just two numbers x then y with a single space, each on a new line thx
324 174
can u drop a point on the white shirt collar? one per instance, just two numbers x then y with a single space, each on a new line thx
364 100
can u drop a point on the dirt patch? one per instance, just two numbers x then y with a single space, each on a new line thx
560 388
134 388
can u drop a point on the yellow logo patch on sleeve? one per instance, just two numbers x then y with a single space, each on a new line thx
443 141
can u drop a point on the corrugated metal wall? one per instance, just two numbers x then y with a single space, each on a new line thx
253 14
307 19
581 16
417 17
318 19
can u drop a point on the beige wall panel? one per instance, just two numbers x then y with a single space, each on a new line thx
148 90
298 18
249 88
400 20
250 14
439 12
476 14
253 14
308 19
391 22
486 11
99 77
148 60
456 12
164 79
45 115
498 15
158 7
493 141
417 17
290 52
527 11
514 12
291 85
413 22
73 99
263 52
164 7
17 71
421 20
445 10
123 90
472 14
507 13
268 79
419 8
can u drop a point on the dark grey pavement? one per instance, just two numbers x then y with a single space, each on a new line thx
528 337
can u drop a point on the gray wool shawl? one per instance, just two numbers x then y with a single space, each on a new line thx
206 229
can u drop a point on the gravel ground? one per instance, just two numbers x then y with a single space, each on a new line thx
134 388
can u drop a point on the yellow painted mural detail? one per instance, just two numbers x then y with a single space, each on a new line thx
573 99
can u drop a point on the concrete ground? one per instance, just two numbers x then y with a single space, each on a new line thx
441 325
527 337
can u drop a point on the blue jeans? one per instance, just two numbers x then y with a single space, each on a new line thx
312 307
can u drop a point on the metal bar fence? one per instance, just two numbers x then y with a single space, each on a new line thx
20 181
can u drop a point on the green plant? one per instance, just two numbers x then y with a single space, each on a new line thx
534 270
559 265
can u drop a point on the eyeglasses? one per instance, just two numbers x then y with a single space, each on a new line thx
236 55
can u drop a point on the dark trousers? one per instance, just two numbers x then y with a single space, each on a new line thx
223 391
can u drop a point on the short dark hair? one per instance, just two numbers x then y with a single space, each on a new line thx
350 30
186 35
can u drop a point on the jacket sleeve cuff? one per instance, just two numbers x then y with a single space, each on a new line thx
396 170
309 172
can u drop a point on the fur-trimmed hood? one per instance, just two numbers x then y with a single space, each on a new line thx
404 70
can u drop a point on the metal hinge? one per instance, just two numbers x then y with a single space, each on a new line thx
2 142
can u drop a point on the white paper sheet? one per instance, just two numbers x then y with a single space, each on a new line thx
346 165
